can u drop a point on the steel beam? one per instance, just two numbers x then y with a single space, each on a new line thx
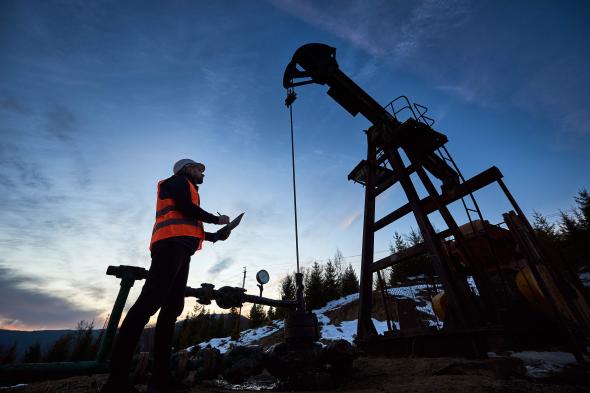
365 327
428 205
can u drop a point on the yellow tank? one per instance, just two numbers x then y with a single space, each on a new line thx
440 304
529 288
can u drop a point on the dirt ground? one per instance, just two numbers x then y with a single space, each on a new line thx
379 374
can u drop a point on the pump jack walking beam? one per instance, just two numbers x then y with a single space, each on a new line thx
319 64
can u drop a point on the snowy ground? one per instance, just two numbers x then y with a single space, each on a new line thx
345 330
538 364
247 337
20 385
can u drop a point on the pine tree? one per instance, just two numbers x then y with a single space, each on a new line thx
583 201
202 323
257 316
82 345
544 229
33 353
180 339
414 237
575 232
350 282
288 287
412 267
287 292
569 225
198 326
314 287
215 326
395 272
8 354
399 243
60 350
547 235
232 322
271 314
331 287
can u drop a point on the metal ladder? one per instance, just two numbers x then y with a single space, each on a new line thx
418 113
469 203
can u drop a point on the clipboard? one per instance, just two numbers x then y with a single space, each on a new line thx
235 222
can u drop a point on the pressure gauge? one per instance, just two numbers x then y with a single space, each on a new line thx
262 277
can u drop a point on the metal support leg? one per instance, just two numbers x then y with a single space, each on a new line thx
456 313
481 279
365 327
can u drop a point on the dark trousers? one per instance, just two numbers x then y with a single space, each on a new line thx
164 290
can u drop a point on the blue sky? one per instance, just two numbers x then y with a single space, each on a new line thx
99 99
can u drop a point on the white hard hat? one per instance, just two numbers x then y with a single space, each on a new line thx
184 162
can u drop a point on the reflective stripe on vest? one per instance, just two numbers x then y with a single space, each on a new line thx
171 222
165 210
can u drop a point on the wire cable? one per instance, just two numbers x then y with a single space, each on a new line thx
291 93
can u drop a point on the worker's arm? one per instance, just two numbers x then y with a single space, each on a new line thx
178 189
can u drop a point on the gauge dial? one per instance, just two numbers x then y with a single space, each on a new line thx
262 277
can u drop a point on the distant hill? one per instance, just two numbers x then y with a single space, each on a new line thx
24 339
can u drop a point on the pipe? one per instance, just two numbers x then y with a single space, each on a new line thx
12 374
109 337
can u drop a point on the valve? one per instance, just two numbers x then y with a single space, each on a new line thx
228 297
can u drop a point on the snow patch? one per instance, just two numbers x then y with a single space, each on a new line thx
247 337
345 330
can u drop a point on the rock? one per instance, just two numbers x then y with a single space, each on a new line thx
283 358
310 367
338 355
207 362
242 362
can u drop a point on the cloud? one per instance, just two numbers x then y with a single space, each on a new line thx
24 307
559 86
11 104
21 172
382 28
351 219
475 51
221 265
61 122
35 176
338 20
56 220
464 92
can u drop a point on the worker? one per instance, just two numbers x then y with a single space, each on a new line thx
177 234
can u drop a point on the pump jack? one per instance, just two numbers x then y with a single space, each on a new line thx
457 251
494 256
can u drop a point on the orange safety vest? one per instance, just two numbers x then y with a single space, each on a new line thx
171 222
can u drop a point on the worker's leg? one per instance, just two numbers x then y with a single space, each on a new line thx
171 309
163 271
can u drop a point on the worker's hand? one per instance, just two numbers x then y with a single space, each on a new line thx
223 234
223 219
